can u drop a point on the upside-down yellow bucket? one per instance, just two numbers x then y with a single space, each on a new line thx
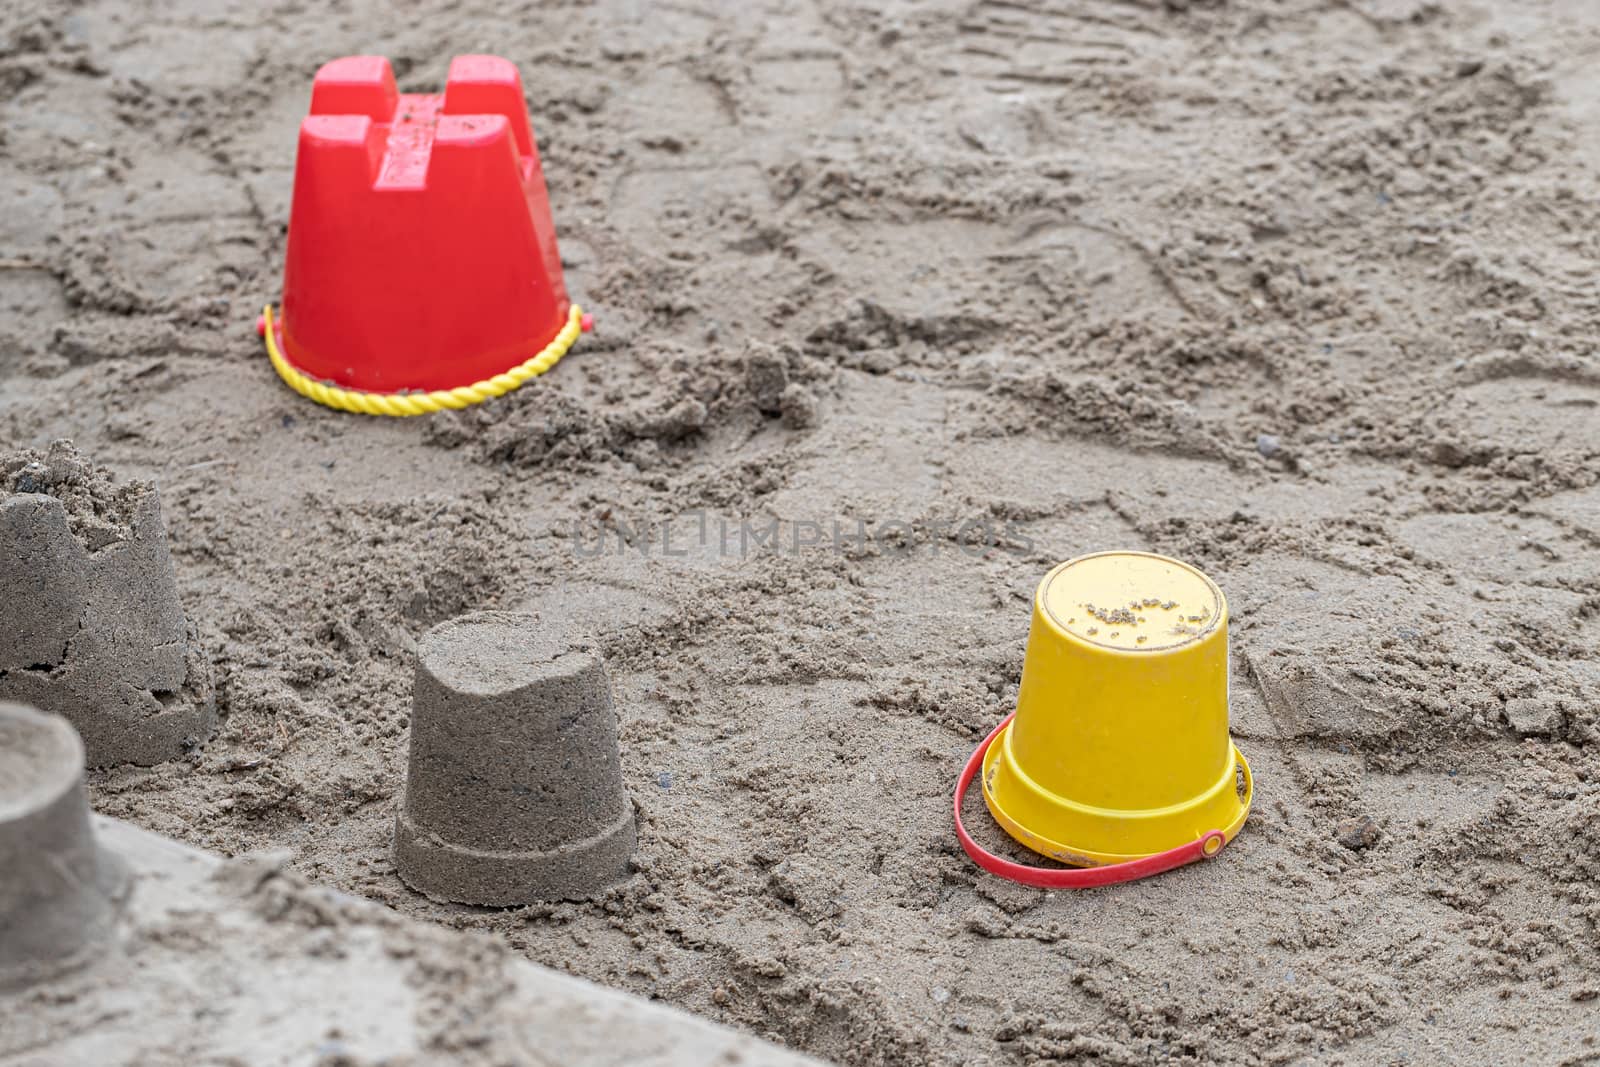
1119 749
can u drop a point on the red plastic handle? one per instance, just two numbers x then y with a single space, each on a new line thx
1208 846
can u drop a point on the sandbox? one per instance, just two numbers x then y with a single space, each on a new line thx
898 306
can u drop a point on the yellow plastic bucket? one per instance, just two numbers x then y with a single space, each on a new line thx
1119 748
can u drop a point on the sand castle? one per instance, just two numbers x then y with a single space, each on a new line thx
60 893
93 627
514 792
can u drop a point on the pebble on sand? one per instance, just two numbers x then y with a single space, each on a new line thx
1358 833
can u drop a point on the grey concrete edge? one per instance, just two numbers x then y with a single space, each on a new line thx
297 974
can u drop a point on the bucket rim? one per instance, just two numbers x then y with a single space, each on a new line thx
1082 857
416 402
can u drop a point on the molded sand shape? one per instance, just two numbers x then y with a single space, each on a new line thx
514 792
93 629
60 894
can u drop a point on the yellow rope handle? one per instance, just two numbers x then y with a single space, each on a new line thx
402 404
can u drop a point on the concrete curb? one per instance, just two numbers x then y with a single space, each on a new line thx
235 961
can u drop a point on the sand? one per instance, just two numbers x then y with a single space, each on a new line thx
1302 292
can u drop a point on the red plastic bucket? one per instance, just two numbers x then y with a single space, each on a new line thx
422 254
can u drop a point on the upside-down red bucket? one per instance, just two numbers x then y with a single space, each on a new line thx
422 255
